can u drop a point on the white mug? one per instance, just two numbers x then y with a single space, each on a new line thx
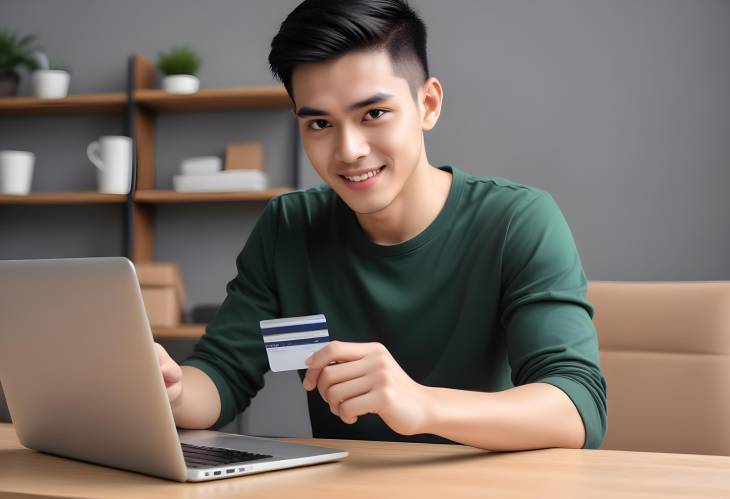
112 155
16 171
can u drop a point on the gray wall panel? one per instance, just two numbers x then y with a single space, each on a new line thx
619 108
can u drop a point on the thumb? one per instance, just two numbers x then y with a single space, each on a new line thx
171 372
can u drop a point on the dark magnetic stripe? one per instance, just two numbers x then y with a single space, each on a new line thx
294 328
307 341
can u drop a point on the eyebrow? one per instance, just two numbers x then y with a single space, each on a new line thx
379 97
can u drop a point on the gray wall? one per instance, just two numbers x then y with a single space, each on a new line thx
620 109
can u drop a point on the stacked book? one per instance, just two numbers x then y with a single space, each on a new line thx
204 174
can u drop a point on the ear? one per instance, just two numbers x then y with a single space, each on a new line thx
430 97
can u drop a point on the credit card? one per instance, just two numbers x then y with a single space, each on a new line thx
290 340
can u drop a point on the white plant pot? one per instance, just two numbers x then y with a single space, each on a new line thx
181 84
50 83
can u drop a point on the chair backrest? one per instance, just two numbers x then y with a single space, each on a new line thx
665 352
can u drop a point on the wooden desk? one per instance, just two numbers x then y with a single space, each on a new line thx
389 469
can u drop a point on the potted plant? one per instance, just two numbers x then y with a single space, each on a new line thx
14 54
179 65
51 80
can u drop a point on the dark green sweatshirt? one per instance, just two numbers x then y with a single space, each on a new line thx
491 295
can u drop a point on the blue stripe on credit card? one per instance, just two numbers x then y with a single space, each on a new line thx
294 328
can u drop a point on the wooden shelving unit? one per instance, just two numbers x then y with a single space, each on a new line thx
147 102
184 331
213 99
71 105
86 197
139 107
170 196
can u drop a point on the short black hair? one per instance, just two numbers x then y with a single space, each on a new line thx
322 30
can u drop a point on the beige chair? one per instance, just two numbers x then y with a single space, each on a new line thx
665 352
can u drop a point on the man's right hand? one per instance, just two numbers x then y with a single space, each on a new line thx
200 406
171 373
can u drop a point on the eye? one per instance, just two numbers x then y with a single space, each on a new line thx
318 124
375 114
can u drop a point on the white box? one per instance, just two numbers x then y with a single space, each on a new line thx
201 165
226 180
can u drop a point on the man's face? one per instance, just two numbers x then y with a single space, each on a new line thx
360 127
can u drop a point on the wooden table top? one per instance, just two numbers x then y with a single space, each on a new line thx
391 469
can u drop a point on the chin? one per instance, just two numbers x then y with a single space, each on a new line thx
365 206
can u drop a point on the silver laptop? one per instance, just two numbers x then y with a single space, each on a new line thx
81 378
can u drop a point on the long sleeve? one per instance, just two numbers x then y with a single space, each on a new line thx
231 352
548 321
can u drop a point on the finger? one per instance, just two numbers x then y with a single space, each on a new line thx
337 373
336 351
160 352
171 372
162 355
341 392
174 391
351 409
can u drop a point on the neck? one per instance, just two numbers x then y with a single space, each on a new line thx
417 205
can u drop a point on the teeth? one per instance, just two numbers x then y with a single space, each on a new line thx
364 176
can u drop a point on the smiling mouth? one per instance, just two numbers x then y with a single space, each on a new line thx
364 176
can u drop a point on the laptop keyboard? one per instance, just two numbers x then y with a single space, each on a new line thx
198 456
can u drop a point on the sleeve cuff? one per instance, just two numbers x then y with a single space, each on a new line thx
224 391
586 405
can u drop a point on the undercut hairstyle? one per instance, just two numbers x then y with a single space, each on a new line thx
324 30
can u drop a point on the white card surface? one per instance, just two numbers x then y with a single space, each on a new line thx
290 340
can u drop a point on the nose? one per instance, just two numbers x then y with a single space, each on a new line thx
351 145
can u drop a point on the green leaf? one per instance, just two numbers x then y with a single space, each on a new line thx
15 53
177 61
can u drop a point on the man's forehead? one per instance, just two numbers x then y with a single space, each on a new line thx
346 81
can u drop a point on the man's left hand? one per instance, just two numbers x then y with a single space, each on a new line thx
361 378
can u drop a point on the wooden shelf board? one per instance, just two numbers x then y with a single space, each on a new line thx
84 197
171 196
180 332
72 104
214 99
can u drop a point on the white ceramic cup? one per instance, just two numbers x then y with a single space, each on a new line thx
50 83
16 171
112 156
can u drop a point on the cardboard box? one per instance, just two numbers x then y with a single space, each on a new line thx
244 156
162 291
162 306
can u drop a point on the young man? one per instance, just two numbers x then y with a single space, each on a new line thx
457 302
